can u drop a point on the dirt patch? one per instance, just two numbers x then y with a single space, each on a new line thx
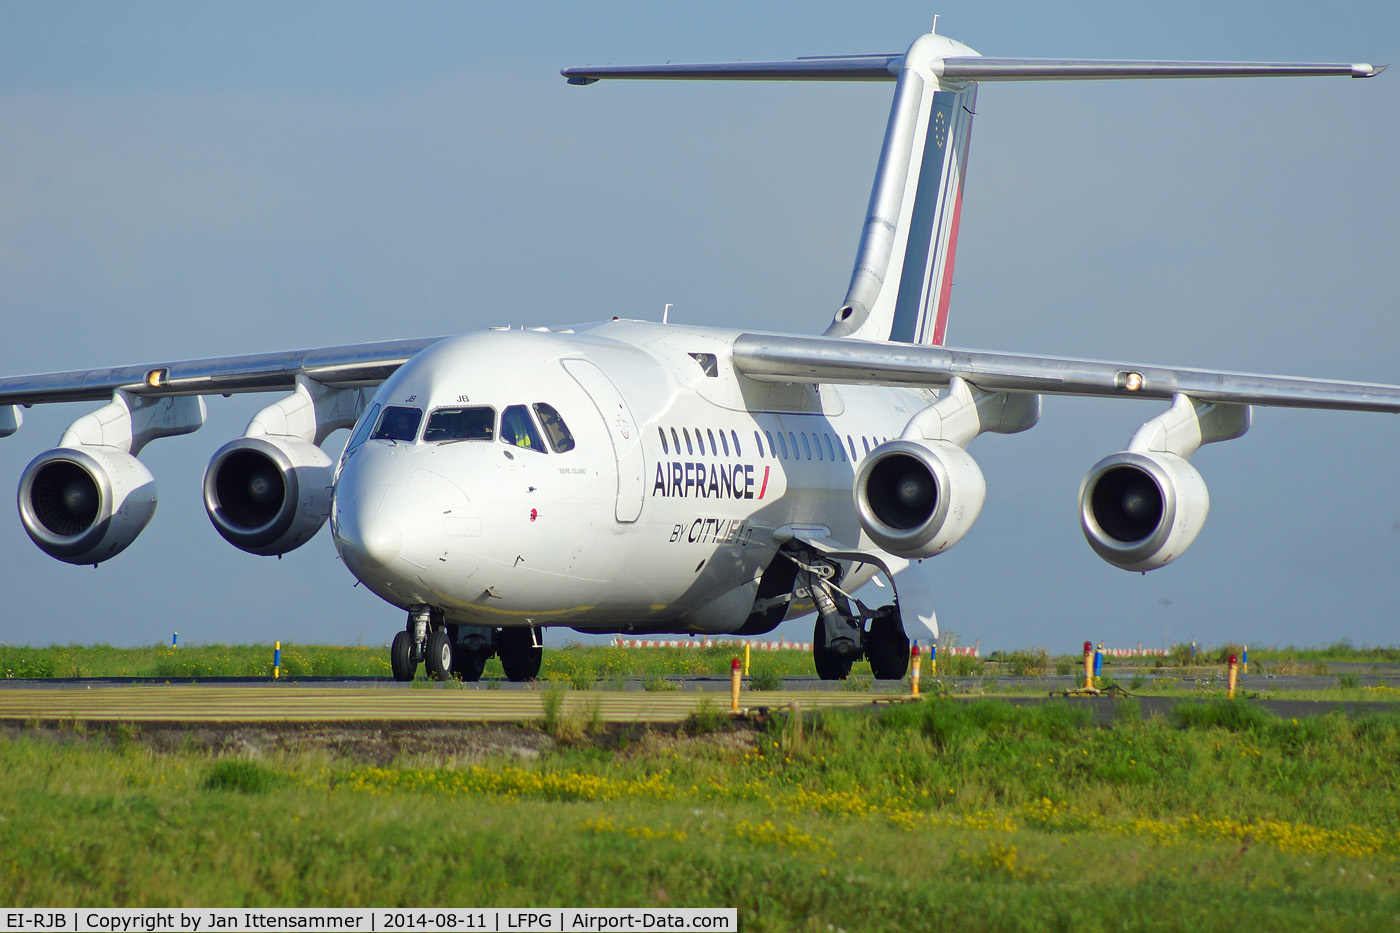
372 743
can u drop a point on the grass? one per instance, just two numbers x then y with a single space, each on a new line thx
939 815
589 667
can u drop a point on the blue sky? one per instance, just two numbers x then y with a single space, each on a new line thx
186 180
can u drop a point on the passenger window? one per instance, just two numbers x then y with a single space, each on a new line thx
711 435
461 424
737 452
866 442
854 455
772 451
662 431
518 430
700 441
560 438
806 446
398 424
783 441
676 442
688 448
723 440
830 454
758 439
362 432
792 440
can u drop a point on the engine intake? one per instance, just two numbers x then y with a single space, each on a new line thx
1141 511
268 495
85 504
918 499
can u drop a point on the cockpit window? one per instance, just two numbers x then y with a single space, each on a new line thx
362 432
461 424
519 431
398 424
555 429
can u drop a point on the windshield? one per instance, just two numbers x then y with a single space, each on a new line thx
461 424
517 429
398 424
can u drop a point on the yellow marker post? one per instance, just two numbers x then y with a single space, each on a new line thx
914 665
734 685
1234 675
746 659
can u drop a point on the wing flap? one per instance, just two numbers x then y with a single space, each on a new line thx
777 358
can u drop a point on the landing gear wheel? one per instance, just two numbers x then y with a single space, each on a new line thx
830 666
401 657
887 646
519 656
438 659
468 665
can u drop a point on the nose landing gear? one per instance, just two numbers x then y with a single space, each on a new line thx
461 651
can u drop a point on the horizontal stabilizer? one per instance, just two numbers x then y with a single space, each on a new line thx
887 68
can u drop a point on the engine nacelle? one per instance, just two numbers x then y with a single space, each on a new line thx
85 504
1140 511
916 499
268 495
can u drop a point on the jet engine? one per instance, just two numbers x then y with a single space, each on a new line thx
1140 511
918 498
268 495
85 504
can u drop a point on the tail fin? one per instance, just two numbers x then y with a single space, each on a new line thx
903 278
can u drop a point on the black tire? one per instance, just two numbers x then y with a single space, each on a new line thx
519 657
829 666
468 665
438 656
887 646
401 657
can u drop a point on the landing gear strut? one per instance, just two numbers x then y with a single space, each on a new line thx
839 638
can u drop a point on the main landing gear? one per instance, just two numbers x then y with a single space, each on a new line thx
461 651
840 637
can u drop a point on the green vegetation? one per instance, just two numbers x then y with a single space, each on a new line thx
588 667
967 816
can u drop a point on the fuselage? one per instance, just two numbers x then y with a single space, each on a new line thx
616 477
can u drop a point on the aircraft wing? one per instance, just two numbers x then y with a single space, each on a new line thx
352 366
779 358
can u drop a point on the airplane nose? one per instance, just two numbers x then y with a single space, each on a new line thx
380 540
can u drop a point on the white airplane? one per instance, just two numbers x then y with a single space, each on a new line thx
635 477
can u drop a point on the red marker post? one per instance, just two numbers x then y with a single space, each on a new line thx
915 662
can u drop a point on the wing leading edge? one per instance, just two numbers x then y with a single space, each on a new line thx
778 358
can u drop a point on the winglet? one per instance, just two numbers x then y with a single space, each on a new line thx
1365 70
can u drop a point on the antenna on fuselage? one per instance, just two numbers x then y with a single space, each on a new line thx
665 312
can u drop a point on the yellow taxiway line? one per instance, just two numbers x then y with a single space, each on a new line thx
199 703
